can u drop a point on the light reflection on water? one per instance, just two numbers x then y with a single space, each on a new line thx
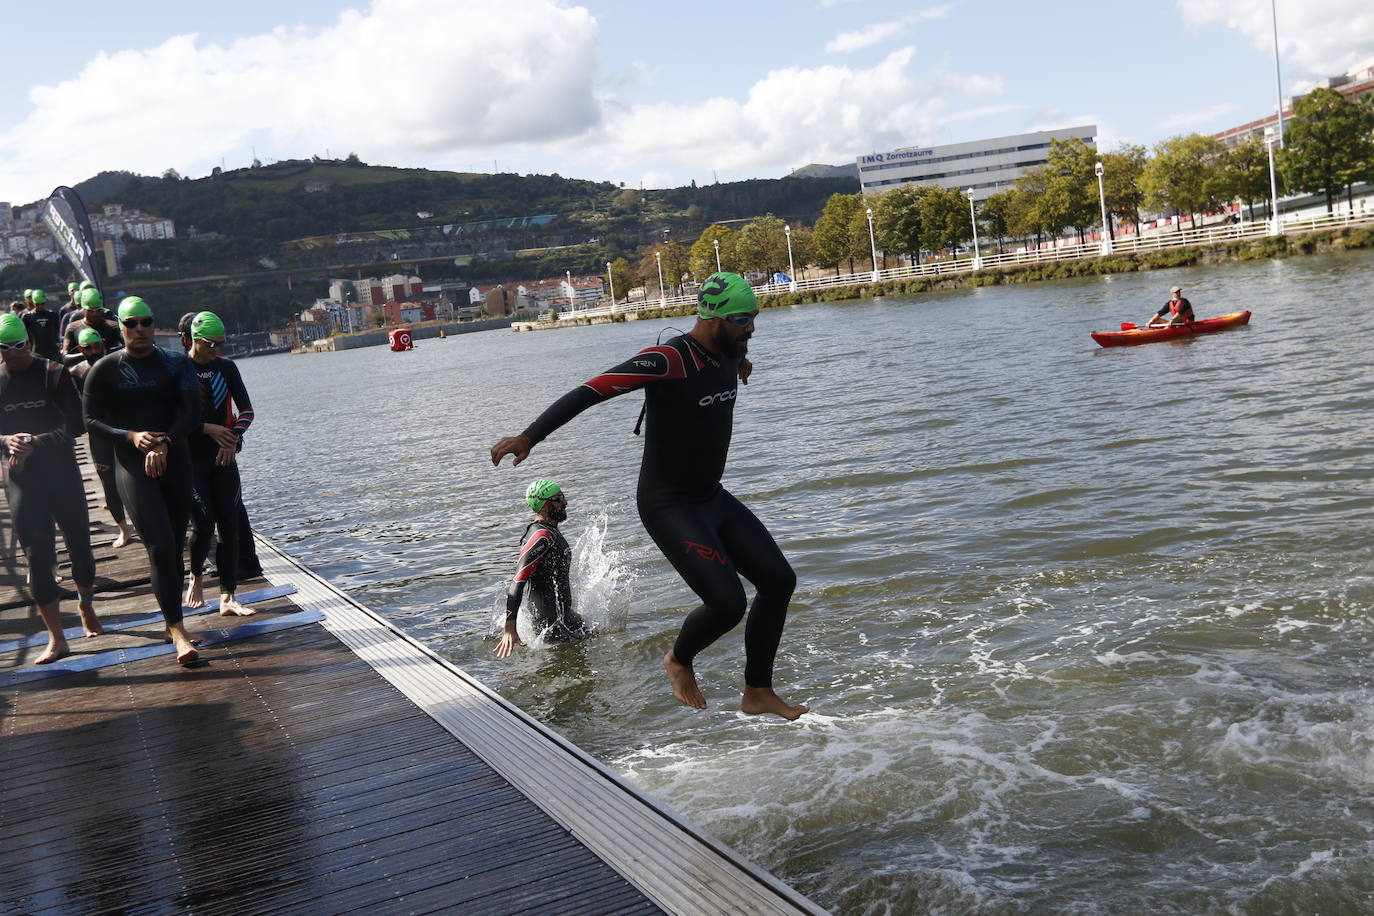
1085 629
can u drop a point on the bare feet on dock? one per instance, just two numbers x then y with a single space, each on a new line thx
760 700
89 622
124 538
56 649
195 597
229 607
684 682
185 646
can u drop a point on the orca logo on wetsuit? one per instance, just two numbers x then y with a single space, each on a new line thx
717 398
26 405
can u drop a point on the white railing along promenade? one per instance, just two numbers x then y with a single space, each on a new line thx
1132 244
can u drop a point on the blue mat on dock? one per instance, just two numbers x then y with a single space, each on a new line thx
41 639
73 664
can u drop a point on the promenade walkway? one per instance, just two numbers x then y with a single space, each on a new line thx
315 761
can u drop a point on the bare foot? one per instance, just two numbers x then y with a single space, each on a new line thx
123 539
194 596
186 647
229 607
55 651
89 622
684 682
760 700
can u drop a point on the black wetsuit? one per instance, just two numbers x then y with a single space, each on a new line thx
42 401
102 450
159 393
709 536
545 563
224 401
42 327
106 328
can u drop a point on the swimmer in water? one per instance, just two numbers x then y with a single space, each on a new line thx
544 565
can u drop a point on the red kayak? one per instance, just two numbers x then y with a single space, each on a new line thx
1130 334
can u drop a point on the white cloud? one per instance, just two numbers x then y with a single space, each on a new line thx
1202 117
790 117
855 40
846 42
402 81
1317 38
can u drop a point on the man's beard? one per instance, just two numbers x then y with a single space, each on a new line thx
558 512
727 345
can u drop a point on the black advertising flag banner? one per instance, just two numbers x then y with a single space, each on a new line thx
65 216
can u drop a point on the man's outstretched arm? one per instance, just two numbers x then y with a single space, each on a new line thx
652 365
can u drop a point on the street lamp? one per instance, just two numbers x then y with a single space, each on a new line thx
1102 199
662 296
715 243
610 279
872 243
1275 228
791 265
977 260
1278 78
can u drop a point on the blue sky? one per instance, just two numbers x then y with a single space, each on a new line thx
629 91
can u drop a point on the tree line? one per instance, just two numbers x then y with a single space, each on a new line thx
1328 148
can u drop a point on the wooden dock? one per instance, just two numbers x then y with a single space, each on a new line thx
317 760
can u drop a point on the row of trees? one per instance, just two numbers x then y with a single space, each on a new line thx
1328 147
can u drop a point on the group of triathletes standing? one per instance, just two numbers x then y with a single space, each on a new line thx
165 431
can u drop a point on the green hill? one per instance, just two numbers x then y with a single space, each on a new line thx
252 223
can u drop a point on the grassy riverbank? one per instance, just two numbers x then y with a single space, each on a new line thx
1240 250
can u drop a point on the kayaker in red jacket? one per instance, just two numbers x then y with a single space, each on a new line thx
1176 311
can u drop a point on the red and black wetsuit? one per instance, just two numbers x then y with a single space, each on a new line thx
709 536
545 563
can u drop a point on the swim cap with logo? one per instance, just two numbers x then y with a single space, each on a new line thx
87 337
134 307
40 296
12 329
723 294
540 492
206 324
91 299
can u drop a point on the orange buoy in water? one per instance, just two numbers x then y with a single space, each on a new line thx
401 339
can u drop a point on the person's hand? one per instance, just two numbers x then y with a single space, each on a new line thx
145 440
509 640
20 444
226 456
746 369
155 462
223 436
519 446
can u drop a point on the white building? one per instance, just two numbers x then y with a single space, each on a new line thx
986 166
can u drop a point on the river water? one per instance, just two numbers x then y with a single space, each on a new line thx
1084 630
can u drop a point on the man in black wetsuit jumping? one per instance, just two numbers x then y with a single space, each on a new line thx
146 401
544 565
710 537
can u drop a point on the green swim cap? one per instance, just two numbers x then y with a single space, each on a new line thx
206 324
12 329
134 307
540 492
40 296
86 284
91 299
28 294
723 294
71 287
88 336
